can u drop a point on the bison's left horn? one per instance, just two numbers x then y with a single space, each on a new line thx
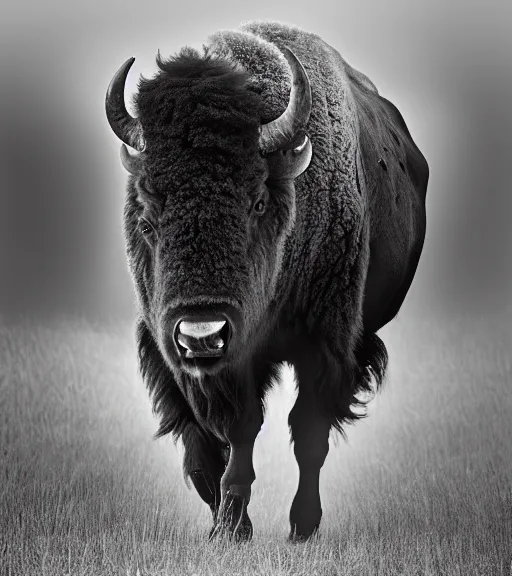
279 133
125 127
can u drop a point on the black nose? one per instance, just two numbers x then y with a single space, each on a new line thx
202 337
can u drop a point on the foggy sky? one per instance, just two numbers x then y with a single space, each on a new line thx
447 66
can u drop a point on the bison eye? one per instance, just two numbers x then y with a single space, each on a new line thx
259 207
145 227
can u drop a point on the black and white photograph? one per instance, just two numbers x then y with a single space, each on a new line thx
256 288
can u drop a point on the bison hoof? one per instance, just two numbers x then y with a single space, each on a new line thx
233 522
297 536
243 533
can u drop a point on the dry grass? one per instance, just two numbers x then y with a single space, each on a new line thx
424 485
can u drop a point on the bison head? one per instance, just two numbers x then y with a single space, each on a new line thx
210 203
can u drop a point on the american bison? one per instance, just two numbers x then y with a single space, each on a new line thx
275 213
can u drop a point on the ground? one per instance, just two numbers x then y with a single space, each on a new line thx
423 486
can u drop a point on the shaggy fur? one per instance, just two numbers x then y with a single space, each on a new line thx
204 110
327 266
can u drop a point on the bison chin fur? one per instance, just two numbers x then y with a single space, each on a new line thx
178 402
365 376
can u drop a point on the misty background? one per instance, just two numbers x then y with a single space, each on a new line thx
424 482
446 66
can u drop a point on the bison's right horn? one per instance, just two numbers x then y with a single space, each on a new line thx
279 133
125 127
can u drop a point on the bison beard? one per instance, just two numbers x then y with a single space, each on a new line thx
261 227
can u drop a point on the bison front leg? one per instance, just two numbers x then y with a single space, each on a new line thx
233 520
310 426
204 463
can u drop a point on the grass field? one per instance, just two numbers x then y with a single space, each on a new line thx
423 486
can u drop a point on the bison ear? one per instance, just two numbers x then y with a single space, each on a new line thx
288 164
130 163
